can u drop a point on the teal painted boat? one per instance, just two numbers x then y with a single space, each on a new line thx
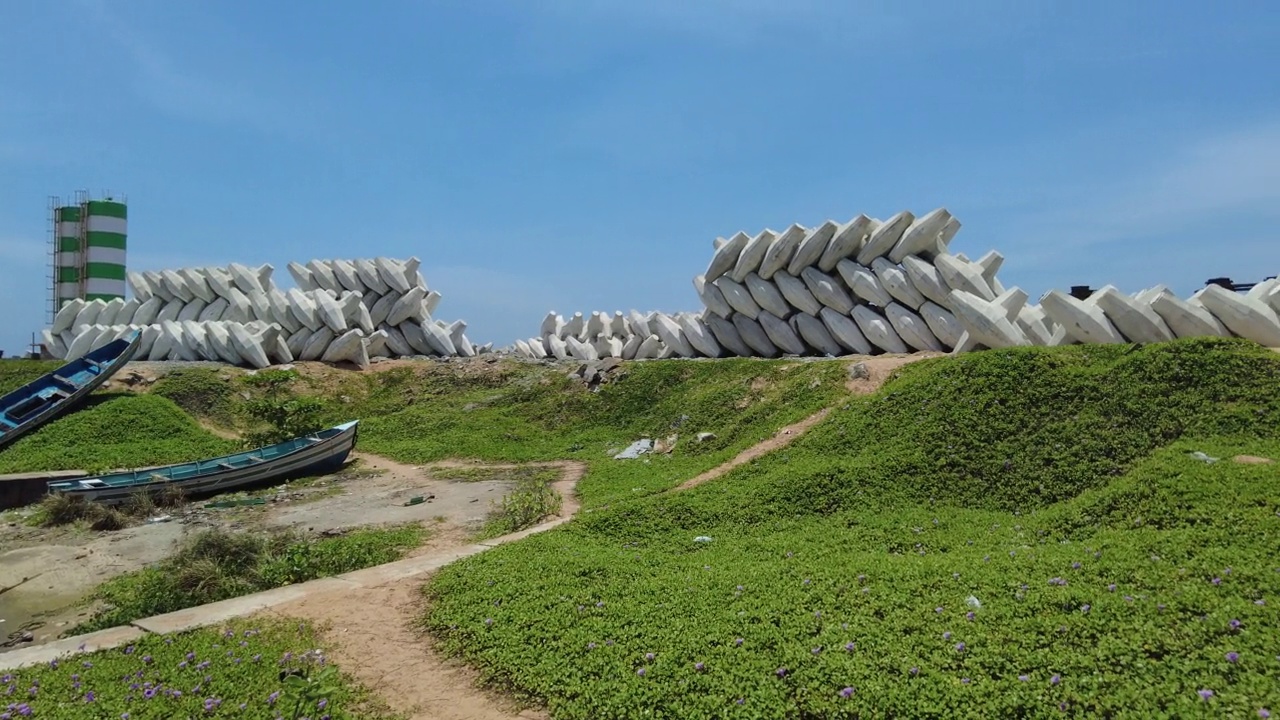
48 396
314 454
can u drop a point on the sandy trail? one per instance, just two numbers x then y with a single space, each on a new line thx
372 633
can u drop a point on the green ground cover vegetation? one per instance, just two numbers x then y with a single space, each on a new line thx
1024 533
260 669
214 565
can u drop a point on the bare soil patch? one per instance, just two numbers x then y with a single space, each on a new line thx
880 367
1252 460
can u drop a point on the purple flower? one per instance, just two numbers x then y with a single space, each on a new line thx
1024 678
210 704
849 646
938 609
964 681
1111 587
817 615
1085 607
191 656
1205 694
781 672
1234 624
273 697
640 672
1055 679
1259 601
1075 566
1264 713
737 643
1057 581
600 604
846 693
1216 581
806 581
649 657
322 704
969 616
946 635
699 666
959 647
591 646
203 665
1233 657
146 659
914 671
488 622
90 696
149 693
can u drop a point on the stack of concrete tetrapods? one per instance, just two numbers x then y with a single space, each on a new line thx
869 286
340 310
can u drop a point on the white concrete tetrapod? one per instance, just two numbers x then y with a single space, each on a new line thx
244 278
1137 321
815 334
895 282
878 331
1247 317
197 283
672 335
248 346
167 313
264 273
53 344
370 278
781 250
796 293
392 273
397 344
411 274
751 256
83 341
650 348
1184 318
107 316
581 351
90 311
303 308
347 276
381 309
146 341
66 316
827 290
219 338
738 296
944 238
301 276
700 336
176 285
315 346
638 324
767 296
1084 322
847 241
885 237
960 274
430 302
521 348
281 312
260 306
630 347
845 331
192 310
557 347
137 285
218 280
921 236
912 328
726 256
781 334
408 308
196 334
297 341
711 297
986 324
594 327
239 307
727 335
322 276
573 326
439 339
754 336
156 283
942 323
128 311
463 346
810 249
550 324
863 282
347 347
376 344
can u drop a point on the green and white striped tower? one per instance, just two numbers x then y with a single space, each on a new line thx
104 244
67 263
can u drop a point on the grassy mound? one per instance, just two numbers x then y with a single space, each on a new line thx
114 431
267 669
1007 534
216 565
16 373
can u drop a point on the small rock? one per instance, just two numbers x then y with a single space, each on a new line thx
591 376
610 364
859 371
705 436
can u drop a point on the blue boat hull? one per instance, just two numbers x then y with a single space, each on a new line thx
51 395
318 453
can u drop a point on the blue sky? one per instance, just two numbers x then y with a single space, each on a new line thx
583 154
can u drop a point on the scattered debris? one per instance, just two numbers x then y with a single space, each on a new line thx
635 450
859 371
702 539
418 500
159 519
234 503
705 436
667 445
1203 458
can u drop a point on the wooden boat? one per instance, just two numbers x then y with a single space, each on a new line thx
317 453
43 399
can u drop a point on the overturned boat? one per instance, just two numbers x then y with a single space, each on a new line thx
48 396
318 453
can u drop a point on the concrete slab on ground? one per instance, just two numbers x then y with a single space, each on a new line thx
410 567
101 640
214 613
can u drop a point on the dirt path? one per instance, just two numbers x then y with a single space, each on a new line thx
373 634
